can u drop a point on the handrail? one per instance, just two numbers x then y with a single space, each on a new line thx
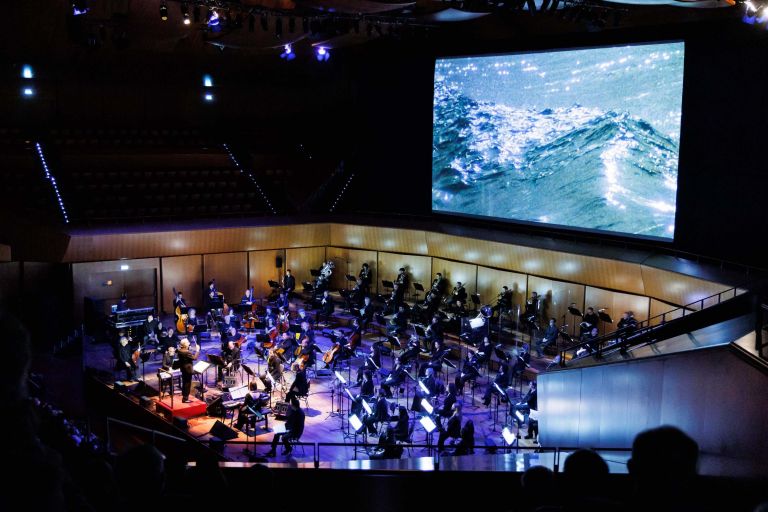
645 326
316 445
154 433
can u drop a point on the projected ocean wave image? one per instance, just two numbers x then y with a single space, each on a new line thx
585 138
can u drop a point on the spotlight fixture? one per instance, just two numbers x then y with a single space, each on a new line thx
28 91
322 54
27 72
164 11
288 53
208 97
185 13
207 81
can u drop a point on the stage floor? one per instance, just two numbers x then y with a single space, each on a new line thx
323 416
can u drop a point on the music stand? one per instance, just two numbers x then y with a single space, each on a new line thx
273 284
248 372
419 288
419 330
387 284
574 313
475 298
604 317
351 278
503 356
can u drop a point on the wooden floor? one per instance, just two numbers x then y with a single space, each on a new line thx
324 421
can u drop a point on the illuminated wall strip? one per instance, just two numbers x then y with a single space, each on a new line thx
344 189
250 176
52 179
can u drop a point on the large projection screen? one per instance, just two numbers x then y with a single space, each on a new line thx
585 139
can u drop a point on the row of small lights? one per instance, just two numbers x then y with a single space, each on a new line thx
246 173
338 197
50 178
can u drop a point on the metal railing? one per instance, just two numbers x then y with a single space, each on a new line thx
154 433
597 345
431 448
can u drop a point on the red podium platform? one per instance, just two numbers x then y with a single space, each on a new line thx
180 409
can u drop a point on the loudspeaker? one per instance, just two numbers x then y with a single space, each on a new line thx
281 409
215 408
180 423
279 261
144 389
222 431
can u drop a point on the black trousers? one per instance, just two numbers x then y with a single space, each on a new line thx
285 437
186 385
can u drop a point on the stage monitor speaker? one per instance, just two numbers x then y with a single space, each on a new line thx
215 408
144 389
180 423
222 431
146 402
279 261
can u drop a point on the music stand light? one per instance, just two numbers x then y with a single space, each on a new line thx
604 317
356 424
424 388
508 436
340 377
428 424
427 406
366 406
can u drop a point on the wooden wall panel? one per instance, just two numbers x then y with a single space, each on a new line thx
616 303
455 271
556 265
203 241
419 268
490 281
300 261
230 270
678 288
261 268
557 296
186 274
88 281
349 261
381 239
658 307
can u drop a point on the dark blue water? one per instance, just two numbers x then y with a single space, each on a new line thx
585 138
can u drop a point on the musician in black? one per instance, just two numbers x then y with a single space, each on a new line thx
366 312
368 366
152 329
436 360
402 427
303 317
395 378
446 410
366 385
627 323
212 297
168 339
326 307
365 278
524 406
387 447
247 298
294 427
434 333
398 324
178 301
469 372
504 301
231 356
380 412
458 296
502 380
169 356
307 351
589 320
300 386
396 299
122 305
452 429
282 302
402 280
550 336
439 284
252 404
430 383
353 297
522 361
185 362
289 283
125 359
274 369
431 303
411 351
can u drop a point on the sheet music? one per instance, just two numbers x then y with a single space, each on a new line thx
201 366
278 428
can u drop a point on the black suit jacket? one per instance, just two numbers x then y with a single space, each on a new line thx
289 283
186 360
294 424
